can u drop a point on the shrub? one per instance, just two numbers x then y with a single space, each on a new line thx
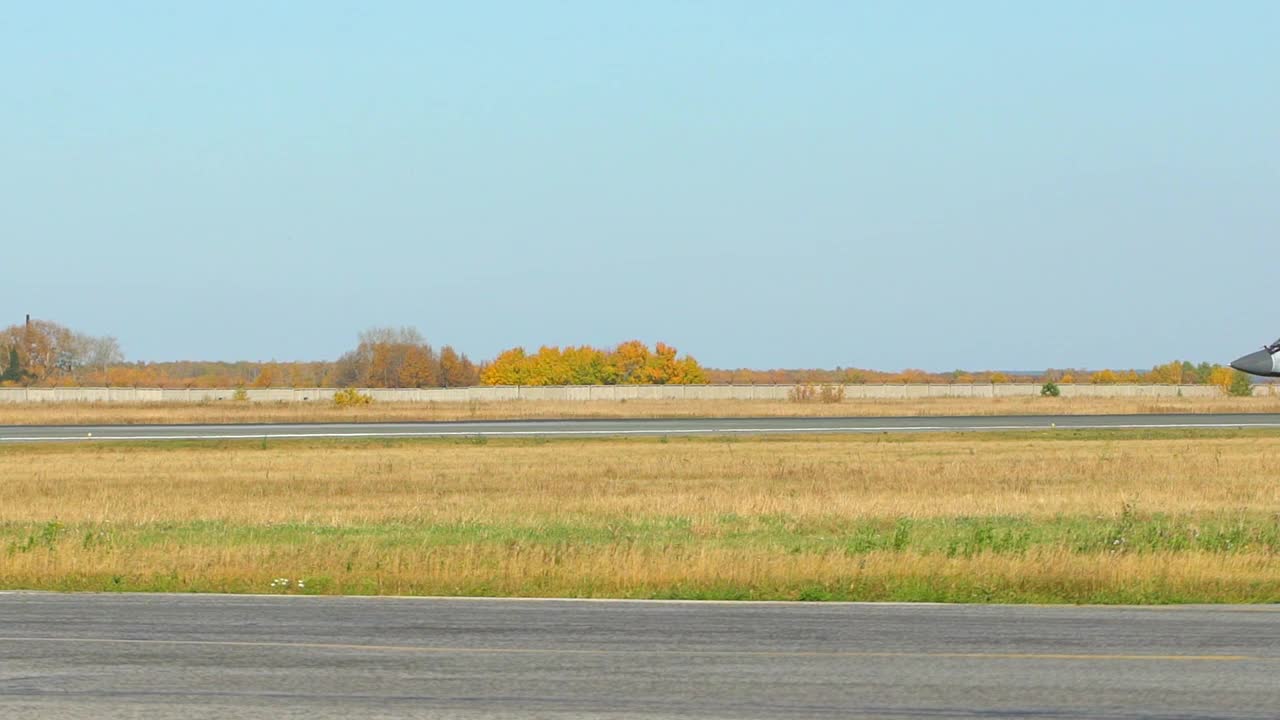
1050 389
831 394
348 397
810 393
240 395
803 394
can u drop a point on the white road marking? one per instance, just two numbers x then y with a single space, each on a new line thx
642 652
636 431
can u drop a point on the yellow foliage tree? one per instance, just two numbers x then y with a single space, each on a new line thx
1167 374
509 368
631 362
1222 377
1104 377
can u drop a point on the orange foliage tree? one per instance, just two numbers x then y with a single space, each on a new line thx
417 367
399 357
456 370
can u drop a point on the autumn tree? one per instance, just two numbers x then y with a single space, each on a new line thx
343 372
663 367
387 357
511 367
50 353
586 365
627 359
383 367
456 369
1167 374
417 367
268 376
1104 377
1222 377
912 376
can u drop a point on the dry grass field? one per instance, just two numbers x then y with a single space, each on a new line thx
244 412
1037 517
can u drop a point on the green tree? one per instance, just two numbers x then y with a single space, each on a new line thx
1241 385
1203 372
14 371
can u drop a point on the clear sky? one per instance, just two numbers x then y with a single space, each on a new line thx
897 184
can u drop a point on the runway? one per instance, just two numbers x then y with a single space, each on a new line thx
192 656
637 427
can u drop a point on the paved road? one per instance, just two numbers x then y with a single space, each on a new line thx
686 426
184 656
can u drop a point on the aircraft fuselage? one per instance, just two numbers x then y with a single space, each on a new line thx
1265 362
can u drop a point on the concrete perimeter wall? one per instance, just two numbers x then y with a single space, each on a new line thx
592 392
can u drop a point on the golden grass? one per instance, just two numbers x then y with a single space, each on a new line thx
533 482
244 412
642 518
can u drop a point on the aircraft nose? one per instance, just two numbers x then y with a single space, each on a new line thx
1255 363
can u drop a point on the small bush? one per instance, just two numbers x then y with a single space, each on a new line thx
348 397
802 394
810 393
240 395
1050 389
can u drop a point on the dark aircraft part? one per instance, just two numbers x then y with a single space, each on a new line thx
1265 362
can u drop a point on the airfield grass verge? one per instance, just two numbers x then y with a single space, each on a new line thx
223 412
1036 517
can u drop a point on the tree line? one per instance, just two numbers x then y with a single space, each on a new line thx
41 352
1178 372
45 353
630 363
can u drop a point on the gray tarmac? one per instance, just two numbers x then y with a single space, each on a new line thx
214 656
640 427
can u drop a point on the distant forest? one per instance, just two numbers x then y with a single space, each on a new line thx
40 352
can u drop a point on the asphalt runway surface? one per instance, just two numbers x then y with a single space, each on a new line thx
217 656
639 427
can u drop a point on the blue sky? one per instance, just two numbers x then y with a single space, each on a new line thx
900 184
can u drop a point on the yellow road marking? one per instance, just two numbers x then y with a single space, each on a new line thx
444 650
